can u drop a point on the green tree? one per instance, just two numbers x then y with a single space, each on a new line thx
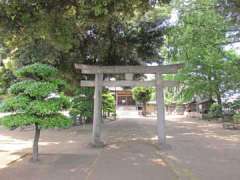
197 40
82 104
234 106
232 71
142 95
36 99
64 32
215 110
109 104
236 118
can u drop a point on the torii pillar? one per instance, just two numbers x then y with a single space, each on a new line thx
160 109
97 117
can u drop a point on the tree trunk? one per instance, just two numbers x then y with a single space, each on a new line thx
219 101
144 113
35 143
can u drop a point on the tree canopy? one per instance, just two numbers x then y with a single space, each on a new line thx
92 32
198 40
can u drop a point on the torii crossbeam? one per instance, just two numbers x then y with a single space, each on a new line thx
159 83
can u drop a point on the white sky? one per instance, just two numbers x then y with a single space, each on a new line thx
235 46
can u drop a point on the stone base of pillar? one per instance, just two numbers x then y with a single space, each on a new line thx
99 144
164 147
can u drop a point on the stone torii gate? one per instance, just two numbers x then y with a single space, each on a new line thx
159 83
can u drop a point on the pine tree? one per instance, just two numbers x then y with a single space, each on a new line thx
36 99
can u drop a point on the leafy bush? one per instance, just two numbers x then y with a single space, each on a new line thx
215 110
37 71
235 106
16 103
82 104
108 103
36 99
236 118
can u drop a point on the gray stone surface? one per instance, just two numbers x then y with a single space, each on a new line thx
160 110
97 113
163 69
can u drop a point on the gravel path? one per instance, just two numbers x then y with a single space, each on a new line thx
197 150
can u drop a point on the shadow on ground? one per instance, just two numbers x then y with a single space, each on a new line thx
199 150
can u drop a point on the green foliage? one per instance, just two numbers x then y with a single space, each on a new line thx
48 107
215 110
232 71
6 77
109 104
32 100
142 94
82 104
81 31
20 87
35 71
61 84
21 120
234 106
236 118
40 89
40 80
17 103
197 40
33 88
55 121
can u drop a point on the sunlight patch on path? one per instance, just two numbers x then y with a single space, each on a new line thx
12 149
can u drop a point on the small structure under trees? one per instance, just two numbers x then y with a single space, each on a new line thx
124 97
159 83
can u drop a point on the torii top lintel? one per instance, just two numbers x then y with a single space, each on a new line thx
162 69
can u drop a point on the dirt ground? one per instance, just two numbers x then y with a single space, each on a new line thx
197 150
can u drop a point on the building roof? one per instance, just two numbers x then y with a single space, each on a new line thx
205 101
